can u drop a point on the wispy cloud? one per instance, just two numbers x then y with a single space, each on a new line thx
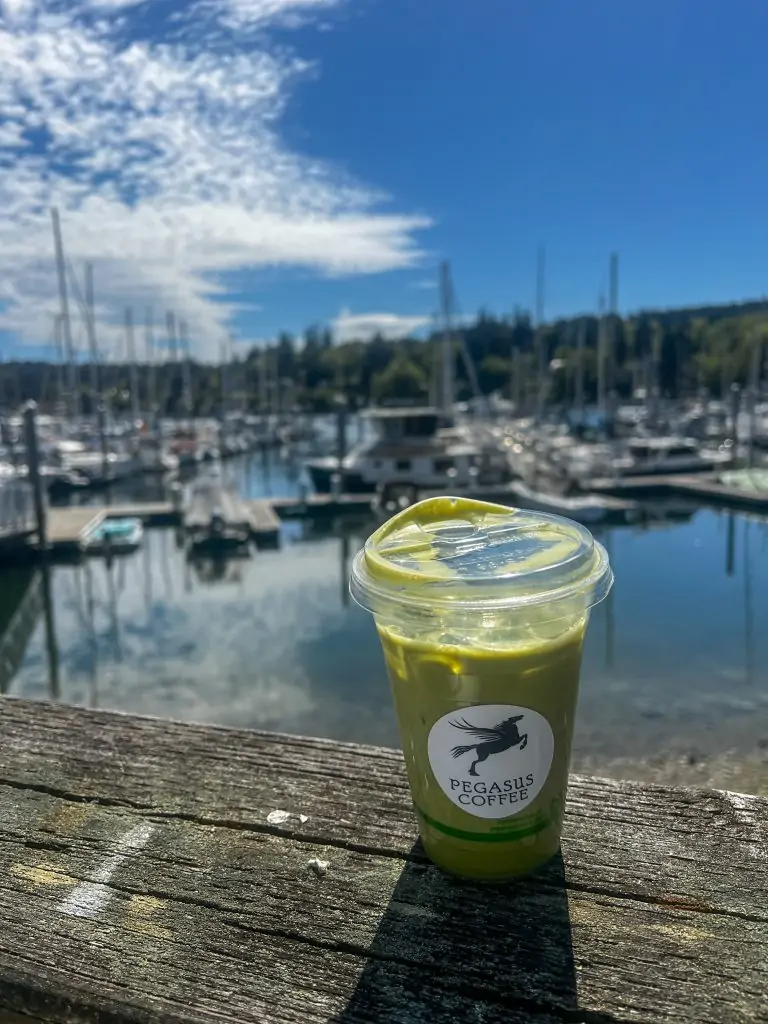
161 148
363 326
253 13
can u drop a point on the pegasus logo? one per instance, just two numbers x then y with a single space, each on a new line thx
494 740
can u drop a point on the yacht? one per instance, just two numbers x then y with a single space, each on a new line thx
74 457
411 446
653 456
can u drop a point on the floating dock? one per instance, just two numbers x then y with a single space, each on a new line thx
264 523
706 489
69 528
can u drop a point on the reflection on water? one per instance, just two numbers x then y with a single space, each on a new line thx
675 658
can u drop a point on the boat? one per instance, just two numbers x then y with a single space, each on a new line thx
583 508
415 446
73 457
217 521
635 456
655 456
218 538
115 536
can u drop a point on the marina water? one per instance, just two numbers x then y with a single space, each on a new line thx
675 661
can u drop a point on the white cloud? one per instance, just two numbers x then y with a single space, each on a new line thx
249 13
164 159
106 4
15 9
363 326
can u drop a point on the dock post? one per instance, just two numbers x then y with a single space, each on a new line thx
101 417
33 465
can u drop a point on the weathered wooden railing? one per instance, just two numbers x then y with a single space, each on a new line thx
155 872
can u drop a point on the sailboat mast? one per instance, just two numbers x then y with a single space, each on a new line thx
581 344
149 348
90 323
186 367
263 382
446 366
130 345
173 346
74 396
613 309
601 344
223 377
541 356
60 362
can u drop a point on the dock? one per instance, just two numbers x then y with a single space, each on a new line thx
148 878
705 488
68 528
211 499
265 523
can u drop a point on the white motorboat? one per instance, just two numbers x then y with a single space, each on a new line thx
583 508
75 457
655 456
411 446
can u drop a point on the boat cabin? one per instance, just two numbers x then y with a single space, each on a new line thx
397 425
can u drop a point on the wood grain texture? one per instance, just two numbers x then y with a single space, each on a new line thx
141 880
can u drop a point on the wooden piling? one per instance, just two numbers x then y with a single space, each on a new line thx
35 478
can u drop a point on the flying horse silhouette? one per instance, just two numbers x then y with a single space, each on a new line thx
495 740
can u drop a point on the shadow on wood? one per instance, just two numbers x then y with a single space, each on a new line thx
440 956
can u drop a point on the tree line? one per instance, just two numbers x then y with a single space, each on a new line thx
674 353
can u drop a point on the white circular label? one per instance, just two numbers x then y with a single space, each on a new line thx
491 760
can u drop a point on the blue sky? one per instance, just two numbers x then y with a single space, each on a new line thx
259 165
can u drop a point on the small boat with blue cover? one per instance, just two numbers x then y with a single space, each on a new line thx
115 536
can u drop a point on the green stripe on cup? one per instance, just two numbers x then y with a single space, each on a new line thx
502 836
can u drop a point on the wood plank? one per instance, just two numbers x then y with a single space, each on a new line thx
711 489
704 487
211 497
148 511
264 519
70 526
200 909
298 507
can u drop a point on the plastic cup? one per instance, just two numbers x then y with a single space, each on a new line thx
482 610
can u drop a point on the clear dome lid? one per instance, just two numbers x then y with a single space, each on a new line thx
455 553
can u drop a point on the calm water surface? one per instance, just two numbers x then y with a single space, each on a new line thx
676 659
